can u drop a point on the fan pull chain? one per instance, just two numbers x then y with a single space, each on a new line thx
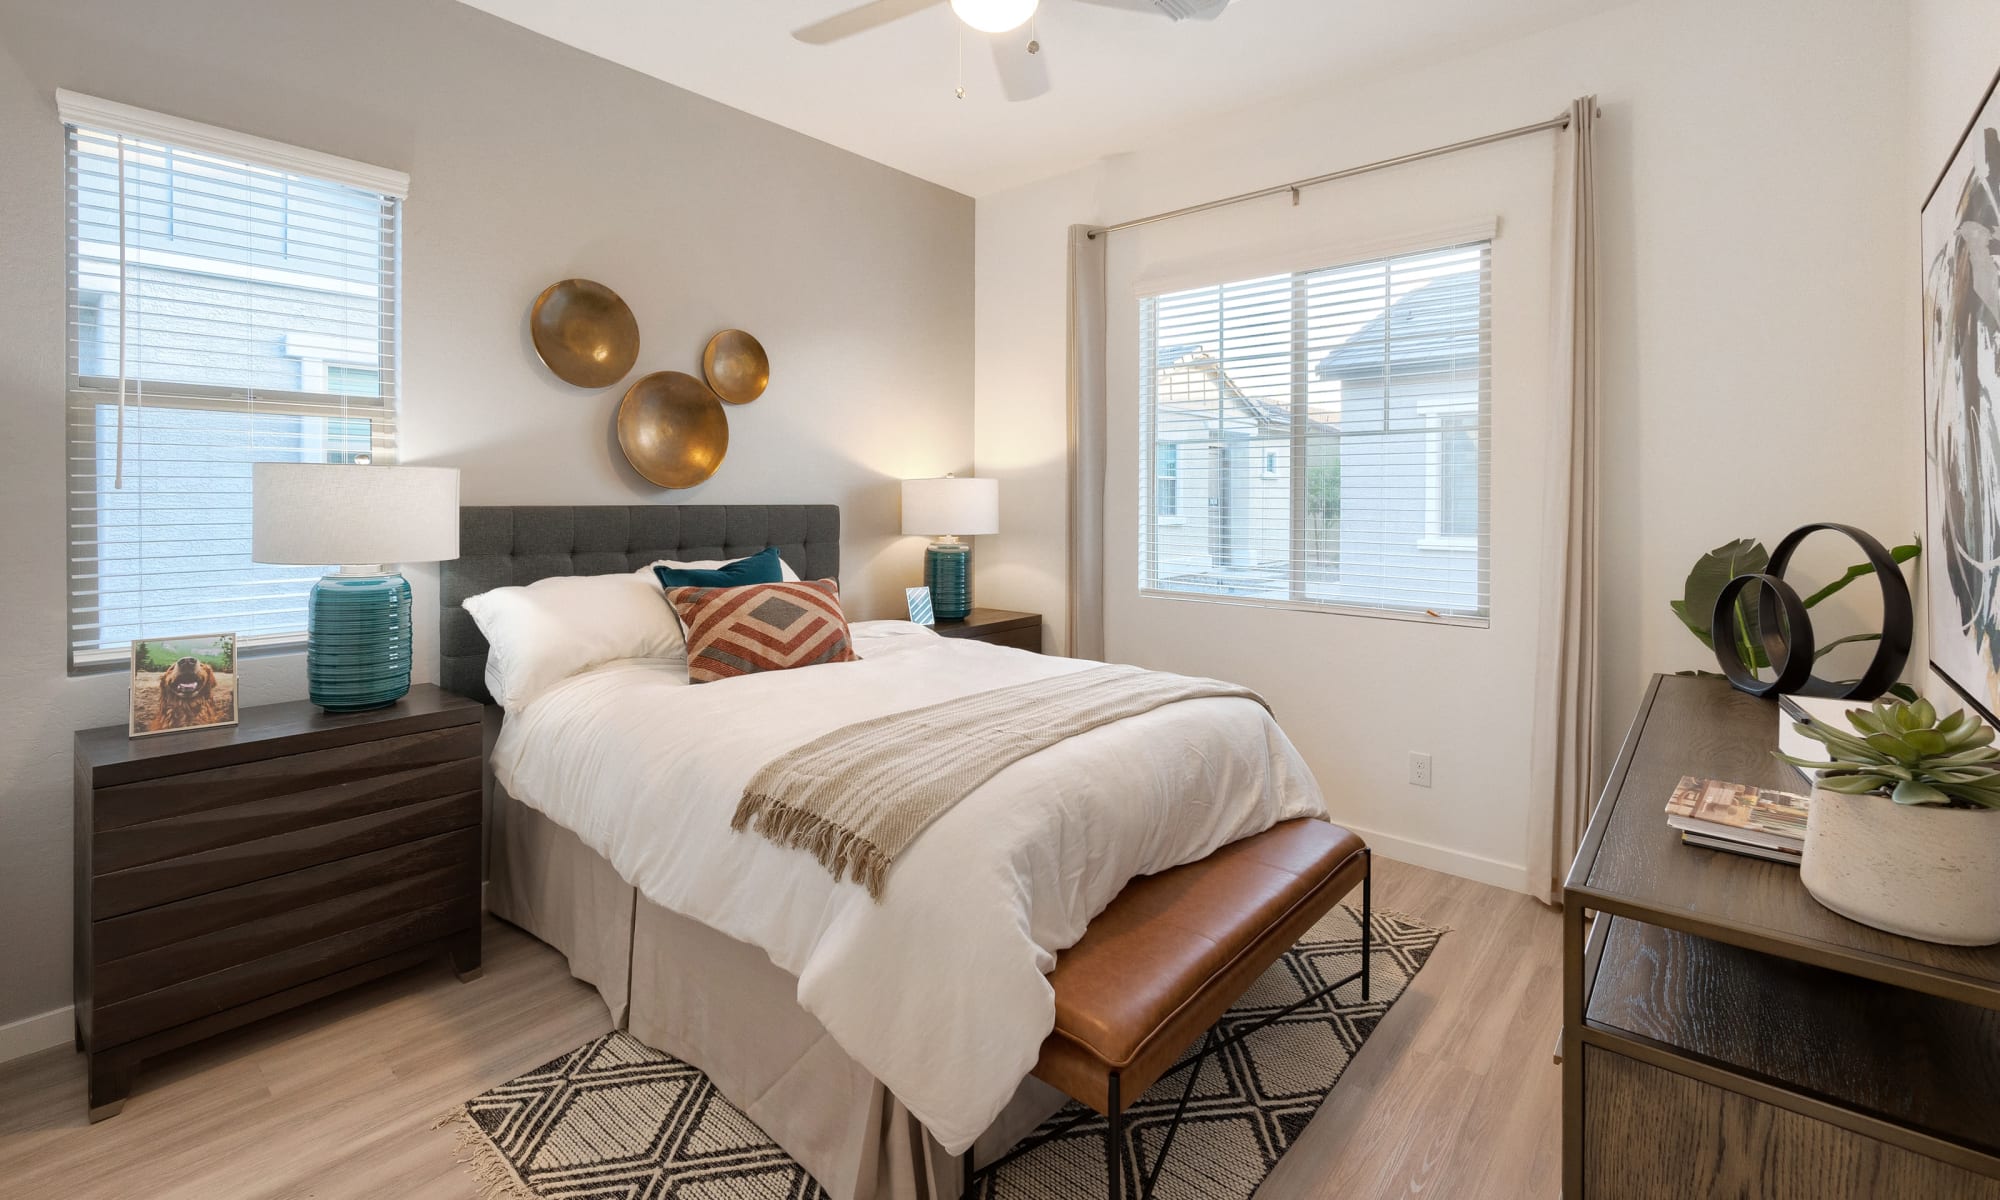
959 37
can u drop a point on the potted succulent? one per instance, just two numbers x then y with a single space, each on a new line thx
1902 832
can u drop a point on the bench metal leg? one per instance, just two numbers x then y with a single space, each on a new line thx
1148 1178
1367 917
1114 1144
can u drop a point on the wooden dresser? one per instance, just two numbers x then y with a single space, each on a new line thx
1724 1035
224 875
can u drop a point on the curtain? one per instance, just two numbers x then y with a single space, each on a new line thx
1086 443
1564 768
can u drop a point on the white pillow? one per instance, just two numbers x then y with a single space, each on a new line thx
785 571
554 628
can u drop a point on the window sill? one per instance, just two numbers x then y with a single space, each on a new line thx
1419 616
119 662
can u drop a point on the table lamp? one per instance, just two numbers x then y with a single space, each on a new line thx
947 509
368 520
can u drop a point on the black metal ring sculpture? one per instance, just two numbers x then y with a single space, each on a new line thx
1788 648
1785 627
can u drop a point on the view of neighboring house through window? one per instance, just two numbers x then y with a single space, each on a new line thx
223 312
1328 432
1166 480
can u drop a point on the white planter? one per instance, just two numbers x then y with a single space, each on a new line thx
1917 870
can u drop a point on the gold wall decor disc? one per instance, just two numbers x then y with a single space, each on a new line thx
672 429
736 366
584 332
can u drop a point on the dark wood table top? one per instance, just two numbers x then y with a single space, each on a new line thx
263 730
1632 863
988 620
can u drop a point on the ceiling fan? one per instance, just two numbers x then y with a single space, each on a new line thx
1023 76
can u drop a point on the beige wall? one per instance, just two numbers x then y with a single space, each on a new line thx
1954 52
1758 357
529 162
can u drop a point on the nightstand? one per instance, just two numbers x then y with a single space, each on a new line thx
224 875
1021 630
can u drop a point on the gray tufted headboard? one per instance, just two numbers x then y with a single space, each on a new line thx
519 544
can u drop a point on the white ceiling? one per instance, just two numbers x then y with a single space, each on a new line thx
1121 78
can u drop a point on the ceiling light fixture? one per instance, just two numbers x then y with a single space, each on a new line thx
994 16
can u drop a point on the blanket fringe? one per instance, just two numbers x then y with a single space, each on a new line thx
491 1173
843 852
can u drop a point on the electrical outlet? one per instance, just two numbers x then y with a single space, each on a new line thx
1420 769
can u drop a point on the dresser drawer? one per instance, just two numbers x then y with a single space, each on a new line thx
172 943
185 920
153 970
282 810
153 802
1020 639
115 1023
168 880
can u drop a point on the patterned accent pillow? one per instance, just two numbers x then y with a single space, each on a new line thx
762 627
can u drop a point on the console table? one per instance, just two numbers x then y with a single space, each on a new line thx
1724 1035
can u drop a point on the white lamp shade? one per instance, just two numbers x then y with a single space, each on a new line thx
318 514
950 506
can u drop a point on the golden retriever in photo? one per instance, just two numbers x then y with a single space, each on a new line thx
187 697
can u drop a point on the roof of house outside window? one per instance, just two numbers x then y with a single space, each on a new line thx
1432 328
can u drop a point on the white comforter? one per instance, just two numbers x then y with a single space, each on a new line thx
939 990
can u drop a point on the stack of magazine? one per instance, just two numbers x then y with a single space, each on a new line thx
1759 822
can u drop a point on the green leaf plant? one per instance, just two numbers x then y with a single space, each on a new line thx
1747 556
1901 749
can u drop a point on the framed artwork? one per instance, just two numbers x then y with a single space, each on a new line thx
183 683
919 599
1961 334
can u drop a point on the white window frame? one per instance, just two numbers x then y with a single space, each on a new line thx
85 393
1434 536
1221 273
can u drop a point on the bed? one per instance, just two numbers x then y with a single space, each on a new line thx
874 1041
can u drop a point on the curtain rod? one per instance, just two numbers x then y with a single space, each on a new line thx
1561 122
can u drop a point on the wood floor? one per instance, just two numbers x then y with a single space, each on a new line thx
1454 1096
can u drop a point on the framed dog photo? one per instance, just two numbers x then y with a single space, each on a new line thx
920 605
183 683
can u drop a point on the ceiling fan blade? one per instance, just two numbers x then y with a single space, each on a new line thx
869 16
1023 76
1173 10
1139 6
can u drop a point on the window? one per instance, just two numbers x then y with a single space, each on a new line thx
231 301
1166 479
1330 433
1453 496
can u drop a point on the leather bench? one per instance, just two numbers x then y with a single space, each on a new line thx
1168 957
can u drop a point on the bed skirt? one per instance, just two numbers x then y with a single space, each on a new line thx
723 1006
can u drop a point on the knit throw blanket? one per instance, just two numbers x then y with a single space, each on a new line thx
856 797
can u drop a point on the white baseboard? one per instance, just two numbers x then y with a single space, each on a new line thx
1479 869
32 1035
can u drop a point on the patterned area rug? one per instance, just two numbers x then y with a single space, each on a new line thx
614 1118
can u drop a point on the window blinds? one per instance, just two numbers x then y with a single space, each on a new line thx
224 309
1322 438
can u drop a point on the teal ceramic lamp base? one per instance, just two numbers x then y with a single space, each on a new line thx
948 574
358 640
